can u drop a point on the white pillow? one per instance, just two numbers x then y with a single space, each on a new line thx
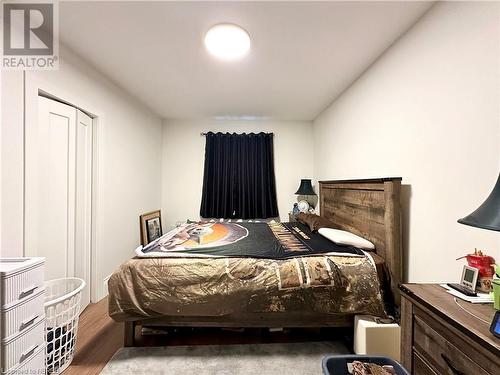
342 237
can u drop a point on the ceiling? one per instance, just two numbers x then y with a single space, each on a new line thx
303 55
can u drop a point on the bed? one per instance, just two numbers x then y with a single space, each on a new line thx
321 290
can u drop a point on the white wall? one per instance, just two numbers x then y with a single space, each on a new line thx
128 148
11 151
427 110
184 155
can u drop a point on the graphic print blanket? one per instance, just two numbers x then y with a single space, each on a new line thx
255 240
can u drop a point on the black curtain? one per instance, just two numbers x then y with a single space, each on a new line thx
238 180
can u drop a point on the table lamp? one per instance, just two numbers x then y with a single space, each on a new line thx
305 189
487 215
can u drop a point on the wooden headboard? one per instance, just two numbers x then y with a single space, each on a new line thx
370 208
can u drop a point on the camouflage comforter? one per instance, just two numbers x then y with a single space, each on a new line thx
326 284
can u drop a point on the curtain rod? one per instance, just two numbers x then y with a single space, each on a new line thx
204 134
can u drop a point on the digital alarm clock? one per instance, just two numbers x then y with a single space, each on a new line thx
468 282
495 325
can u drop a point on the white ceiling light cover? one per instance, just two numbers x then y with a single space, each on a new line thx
227 41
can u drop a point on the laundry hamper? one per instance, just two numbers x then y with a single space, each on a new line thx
62 309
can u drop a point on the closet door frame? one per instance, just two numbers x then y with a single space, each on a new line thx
35 86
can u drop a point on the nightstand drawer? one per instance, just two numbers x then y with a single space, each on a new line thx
441 335
443 357
420 367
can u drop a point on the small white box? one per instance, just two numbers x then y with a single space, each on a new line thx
372 338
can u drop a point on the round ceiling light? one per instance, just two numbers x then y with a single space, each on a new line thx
227 41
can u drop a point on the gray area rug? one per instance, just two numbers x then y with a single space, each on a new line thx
261 359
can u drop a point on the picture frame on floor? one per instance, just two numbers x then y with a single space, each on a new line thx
150 226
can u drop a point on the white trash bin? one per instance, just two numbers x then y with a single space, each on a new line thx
62 309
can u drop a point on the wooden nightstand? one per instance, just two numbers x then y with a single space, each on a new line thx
440 336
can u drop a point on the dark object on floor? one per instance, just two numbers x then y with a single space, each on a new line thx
338 364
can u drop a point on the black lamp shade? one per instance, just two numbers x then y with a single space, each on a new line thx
305 188
487 216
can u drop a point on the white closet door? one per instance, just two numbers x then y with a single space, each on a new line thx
58 191
83 201
50 187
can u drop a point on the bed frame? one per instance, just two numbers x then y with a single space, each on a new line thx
369 208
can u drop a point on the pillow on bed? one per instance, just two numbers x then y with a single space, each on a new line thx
314 221
342 237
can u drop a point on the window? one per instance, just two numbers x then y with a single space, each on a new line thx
239 180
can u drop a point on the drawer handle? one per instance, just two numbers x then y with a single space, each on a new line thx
453 369
25 324
27 353
27 291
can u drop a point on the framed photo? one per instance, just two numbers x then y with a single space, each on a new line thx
150 227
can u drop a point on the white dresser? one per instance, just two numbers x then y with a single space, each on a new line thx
22 316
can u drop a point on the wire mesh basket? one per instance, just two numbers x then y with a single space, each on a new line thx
62 309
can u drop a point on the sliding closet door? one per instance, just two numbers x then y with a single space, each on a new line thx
58 191
83 201
50 188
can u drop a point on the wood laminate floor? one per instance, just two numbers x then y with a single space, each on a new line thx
99 337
